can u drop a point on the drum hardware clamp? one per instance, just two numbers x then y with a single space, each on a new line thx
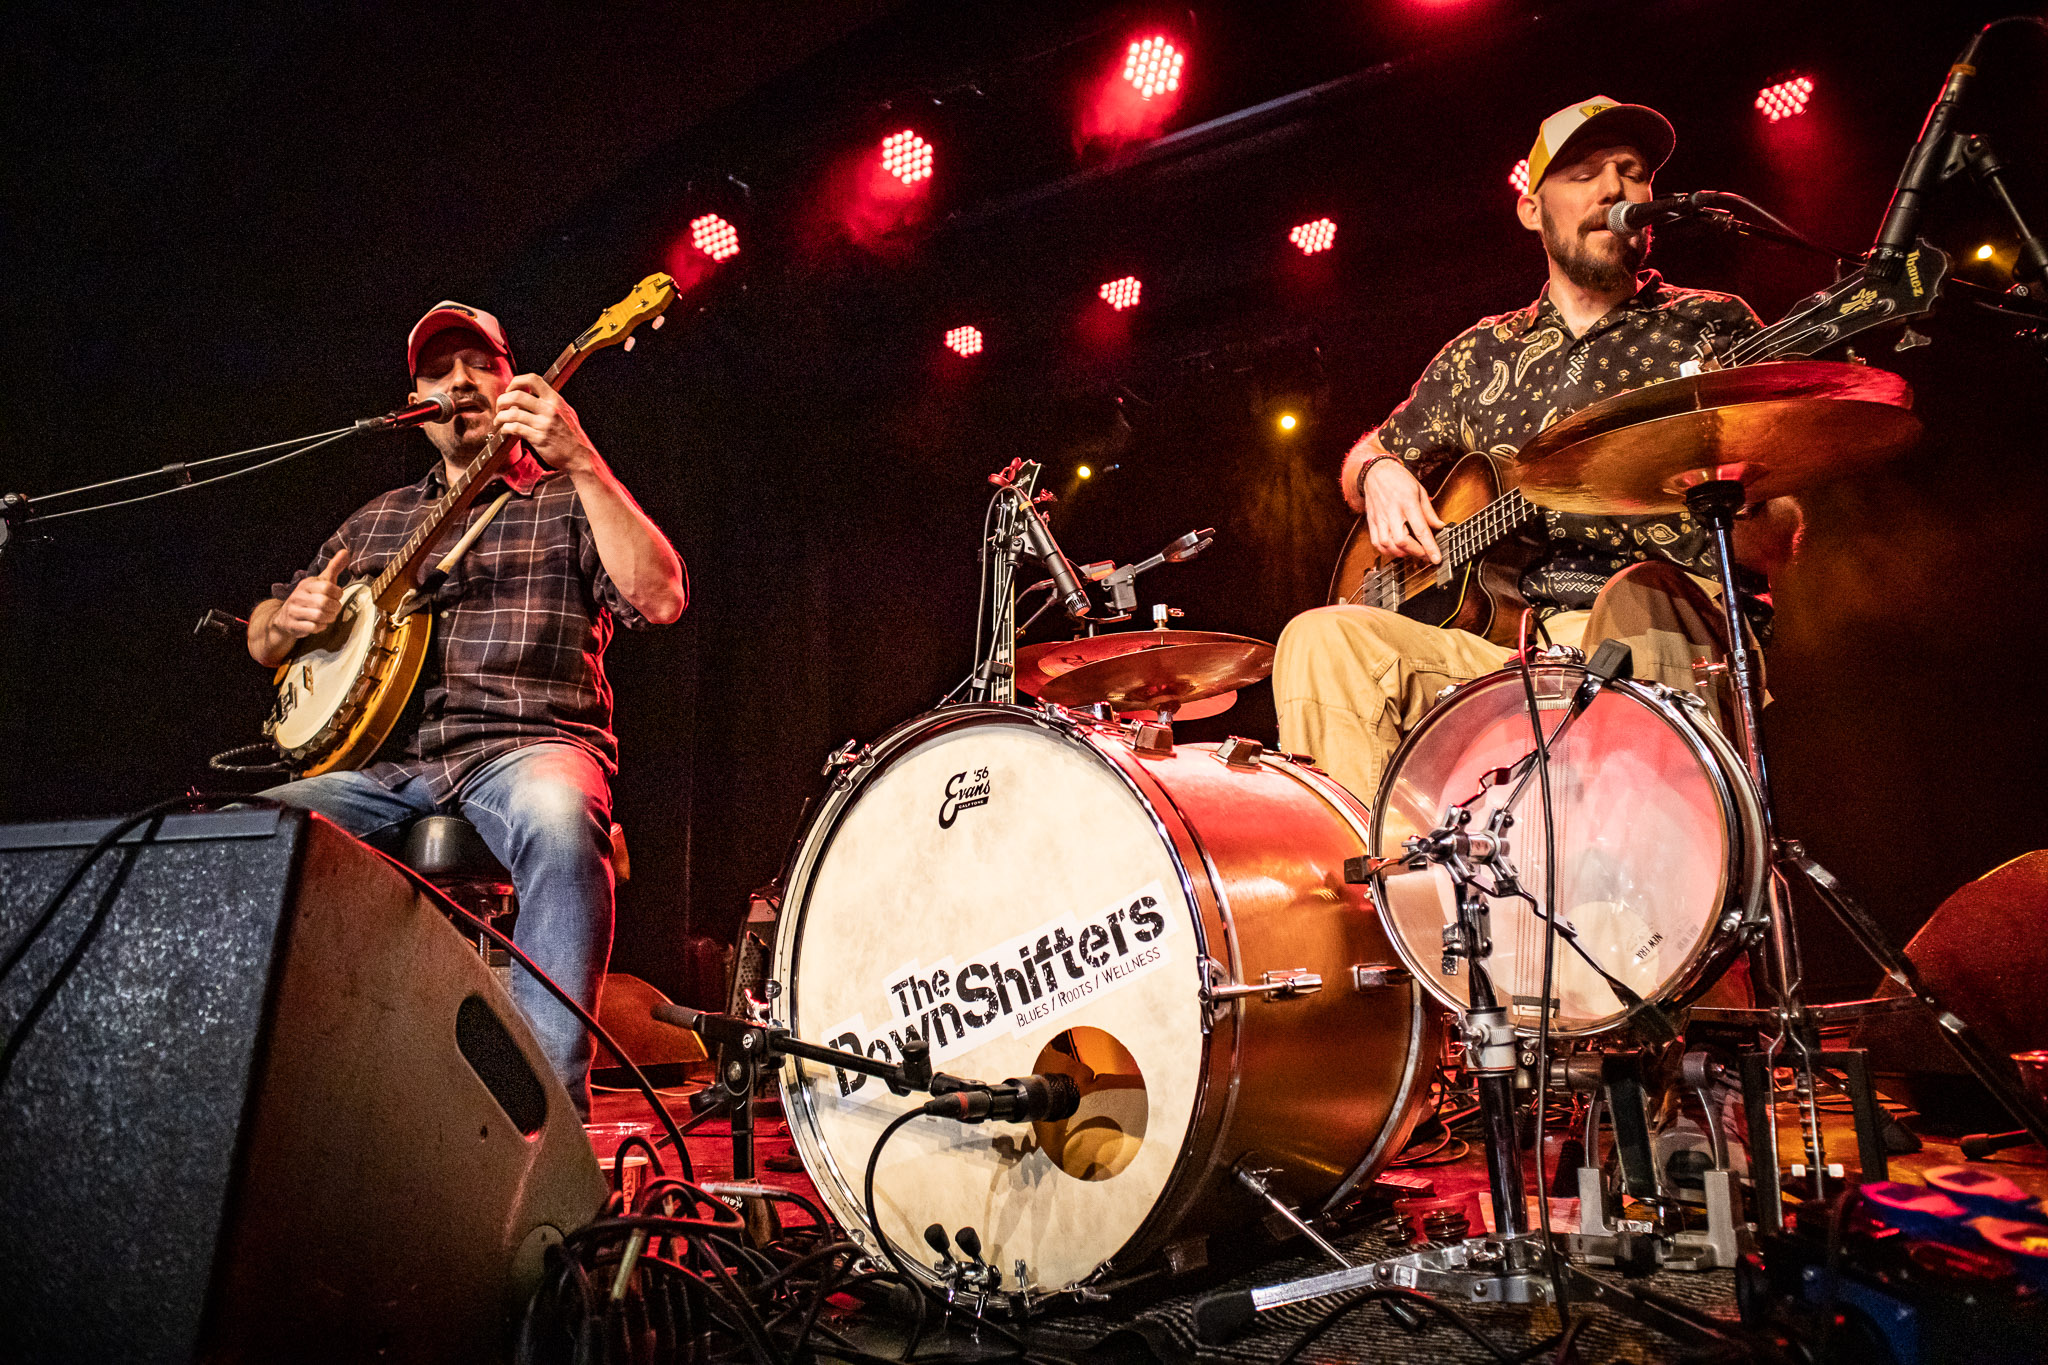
1286 984
844 759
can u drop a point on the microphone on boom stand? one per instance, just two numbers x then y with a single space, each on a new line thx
1923 170
438 408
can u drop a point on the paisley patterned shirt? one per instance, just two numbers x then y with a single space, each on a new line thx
1498 384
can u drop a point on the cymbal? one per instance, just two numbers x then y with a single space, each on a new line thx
1039 664
1777 428
1142 670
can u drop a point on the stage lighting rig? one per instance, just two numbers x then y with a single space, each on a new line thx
964 341
1786 99
1122 293
1319 235
1153 66
907 156
715 237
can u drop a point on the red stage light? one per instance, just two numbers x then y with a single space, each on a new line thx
1786 98
965 340
907 156
1519 176
1320 235
1121 294
1153 67
714 237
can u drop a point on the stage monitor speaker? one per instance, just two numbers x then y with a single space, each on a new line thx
275 1107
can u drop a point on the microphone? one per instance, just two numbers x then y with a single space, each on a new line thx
1923 166
712 1028
1627 219
1021 1099
439 408
1038 540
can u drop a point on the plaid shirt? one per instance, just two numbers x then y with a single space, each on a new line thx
516 654
1503 380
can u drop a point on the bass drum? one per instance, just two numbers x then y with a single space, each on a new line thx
1660 849
1029 894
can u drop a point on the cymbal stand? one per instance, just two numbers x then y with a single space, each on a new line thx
1714 496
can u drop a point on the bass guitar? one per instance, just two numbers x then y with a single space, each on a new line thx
1492 534
340 692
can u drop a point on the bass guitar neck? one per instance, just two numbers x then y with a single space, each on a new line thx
1485 550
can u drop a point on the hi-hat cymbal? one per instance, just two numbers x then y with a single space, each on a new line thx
1777 428
1142 670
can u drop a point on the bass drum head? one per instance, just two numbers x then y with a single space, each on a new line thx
1651 847
993 881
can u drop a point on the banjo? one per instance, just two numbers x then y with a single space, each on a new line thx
341 691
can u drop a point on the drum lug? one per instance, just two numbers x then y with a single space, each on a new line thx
1372 976
1153 739
1239 752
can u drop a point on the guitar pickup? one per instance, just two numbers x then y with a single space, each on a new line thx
1443 574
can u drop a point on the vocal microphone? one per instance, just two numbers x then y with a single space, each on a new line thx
1038 540
1627 219
1021 1099
439 408
1923 167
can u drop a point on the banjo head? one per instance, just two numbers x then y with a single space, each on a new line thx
314 685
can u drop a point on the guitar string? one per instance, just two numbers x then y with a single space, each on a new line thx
1458 541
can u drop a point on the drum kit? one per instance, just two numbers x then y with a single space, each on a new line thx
1249 975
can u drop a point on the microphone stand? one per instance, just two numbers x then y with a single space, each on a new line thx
747 1049
19 512
1516 1262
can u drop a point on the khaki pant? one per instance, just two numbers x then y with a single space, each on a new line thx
1350 682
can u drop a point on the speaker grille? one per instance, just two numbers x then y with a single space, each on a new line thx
487 1046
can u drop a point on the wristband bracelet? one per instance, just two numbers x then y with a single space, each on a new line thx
1366 469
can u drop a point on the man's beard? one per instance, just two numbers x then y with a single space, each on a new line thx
1595 273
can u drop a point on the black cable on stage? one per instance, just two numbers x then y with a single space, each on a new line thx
589 1020
1434 1305
1543 1008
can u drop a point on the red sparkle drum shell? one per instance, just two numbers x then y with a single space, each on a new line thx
1031 895
1661 855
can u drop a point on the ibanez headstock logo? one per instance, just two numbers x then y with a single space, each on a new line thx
963 792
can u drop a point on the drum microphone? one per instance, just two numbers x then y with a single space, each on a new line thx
1021 1099
712 1028
439 408
1038 540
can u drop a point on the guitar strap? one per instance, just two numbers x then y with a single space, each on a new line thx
476 529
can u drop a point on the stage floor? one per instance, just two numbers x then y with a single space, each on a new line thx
1160 1327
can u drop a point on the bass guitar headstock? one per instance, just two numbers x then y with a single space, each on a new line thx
1854 304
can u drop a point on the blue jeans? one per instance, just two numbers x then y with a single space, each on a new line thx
545 811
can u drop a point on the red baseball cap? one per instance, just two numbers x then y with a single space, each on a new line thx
449 314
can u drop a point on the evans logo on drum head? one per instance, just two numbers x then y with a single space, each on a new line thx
963 794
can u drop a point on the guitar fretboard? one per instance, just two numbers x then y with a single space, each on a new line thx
1395 582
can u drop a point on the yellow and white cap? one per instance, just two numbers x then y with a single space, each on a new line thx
1637 125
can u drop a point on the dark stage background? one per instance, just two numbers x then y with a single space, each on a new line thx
223 223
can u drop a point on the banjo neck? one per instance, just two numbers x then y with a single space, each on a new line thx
401 576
